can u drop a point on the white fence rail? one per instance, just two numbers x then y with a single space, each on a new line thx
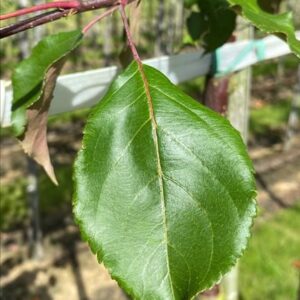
84 89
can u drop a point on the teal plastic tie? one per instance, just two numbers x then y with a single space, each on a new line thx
255 45
260 48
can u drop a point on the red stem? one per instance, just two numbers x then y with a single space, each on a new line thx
59 13
41 7
98 18
128 33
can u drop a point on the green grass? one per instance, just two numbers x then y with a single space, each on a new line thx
53 199
193 88
266 269
269 118
13 207
67 117
270 67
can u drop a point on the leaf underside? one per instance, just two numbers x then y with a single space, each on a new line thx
270 23
33 85
164 188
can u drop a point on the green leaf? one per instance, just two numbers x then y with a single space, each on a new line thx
280 24
198 25
164 188
33 84
272 6
189 3
30 75
214 23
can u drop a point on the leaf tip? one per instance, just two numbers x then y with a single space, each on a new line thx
50 172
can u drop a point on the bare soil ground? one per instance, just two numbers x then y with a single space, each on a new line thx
69 270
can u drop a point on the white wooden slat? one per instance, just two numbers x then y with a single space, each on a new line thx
5 102
272 47
81 90
85 89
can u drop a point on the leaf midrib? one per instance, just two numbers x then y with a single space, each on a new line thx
159 166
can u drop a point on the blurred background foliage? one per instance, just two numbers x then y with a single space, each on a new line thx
159 28
105 42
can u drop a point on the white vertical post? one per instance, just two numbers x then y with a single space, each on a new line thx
240 88
238 115
293 125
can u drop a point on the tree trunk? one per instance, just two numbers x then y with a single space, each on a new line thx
38 32
35 236
34 232
23 37
180 20
171 26
107 40
160 48
240 88
293 126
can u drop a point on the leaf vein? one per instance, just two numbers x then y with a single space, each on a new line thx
186 263
159 166
146 266
208 218
224 142
216 179
130 104
117 161
99 135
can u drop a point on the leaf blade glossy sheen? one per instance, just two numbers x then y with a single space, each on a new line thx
29 77
34 80
270 23
156 195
